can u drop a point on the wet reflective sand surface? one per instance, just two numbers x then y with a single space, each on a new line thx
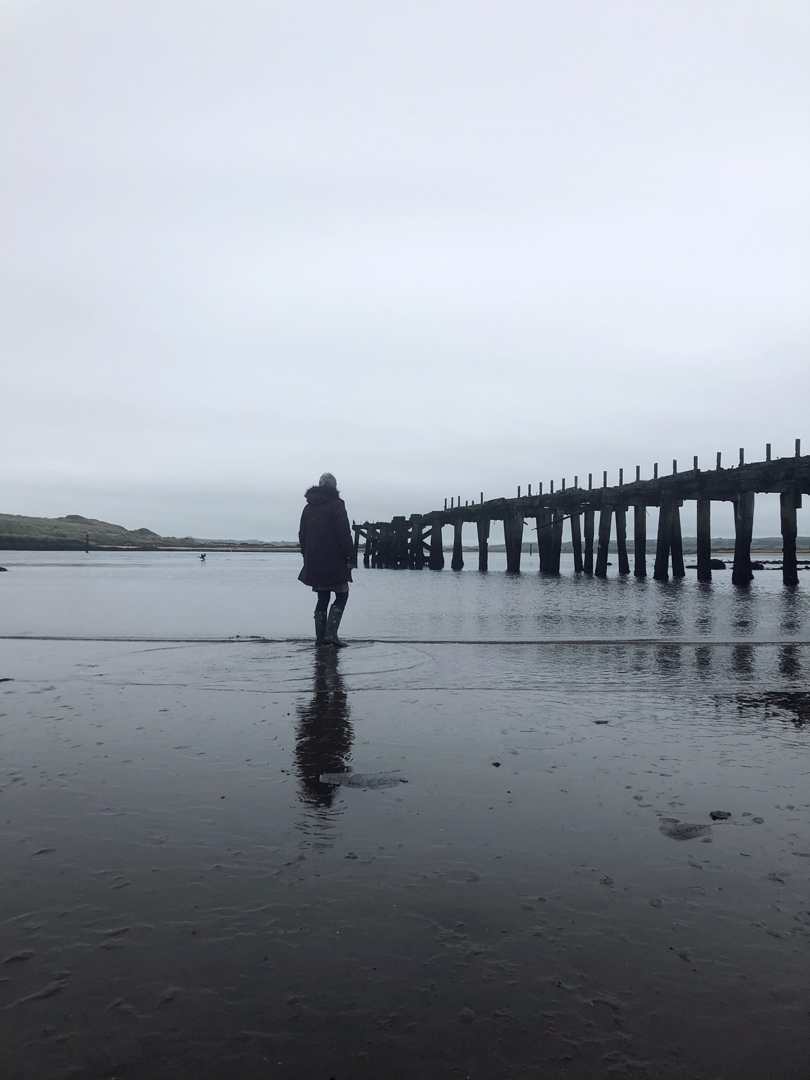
542 860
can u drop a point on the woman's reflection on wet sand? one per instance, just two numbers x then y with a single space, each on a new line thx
324 737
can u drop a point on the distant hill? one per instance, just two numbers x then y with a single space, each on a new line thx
72 532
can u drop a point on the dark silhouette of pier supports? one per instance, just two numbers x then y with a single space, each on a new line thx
416 541
676 543
513 540
576 542
787 512
482 525
640 540
704 540
587 563
556 530
603 546
545 540
436 554
621 539
662 544
741 572
669 541
457 562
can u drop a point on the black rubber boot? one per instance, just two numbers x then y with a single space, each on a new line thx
332 624
320 627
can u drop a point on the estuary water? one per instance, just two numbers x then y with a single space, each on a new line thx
177 595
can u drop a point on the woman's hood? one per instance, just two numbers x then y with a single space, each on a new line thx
318 495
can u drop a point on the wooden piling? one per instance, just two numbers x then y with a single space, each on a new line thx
640 540
621 539
603 547
544 539
457 562
741 572
576 542
367 547
704 540
661 569
587 564
676 542
513 537
483 543
787 513
556 541
436 555
417 552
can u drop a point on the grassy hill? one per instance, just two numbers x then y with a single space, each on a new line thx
72 532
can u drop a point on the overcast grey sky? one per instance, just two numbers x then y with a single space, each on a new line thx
433 247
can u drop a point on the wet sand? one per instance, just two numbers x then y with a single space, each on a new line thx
524 878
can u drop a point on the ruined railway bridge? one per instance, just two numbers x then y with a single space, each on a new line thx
416 542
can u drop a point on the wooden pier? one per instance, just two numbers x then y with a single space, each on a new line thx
417 541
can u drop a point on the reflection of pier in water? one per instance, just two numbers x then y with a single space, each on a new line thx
417 541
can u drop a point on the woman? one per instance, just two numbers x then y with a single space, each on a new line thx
328 550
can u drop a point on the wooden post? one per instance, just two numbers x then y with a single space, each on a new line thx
400 546
436 556
704 540
587 564
741 572
543 520
370 553
576 543
457 562
605 516
787 508
661 570
676 542
513 537
640 540
483 543
367 548
356 529
556 541
621 539
417 542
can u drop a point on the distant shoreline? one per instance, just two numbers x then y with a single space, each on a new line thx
205 548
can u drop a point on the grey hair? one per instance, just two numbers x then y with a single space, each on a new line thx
327 480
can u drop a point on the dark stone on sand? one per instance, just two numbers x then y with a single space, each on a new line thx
3 569
717 564
720 815
497 764
757 566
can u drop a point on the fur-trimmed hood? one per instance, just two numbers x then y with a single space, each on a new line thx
318 495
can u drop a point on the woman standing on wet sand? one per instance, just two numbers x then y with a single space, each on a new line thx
326 544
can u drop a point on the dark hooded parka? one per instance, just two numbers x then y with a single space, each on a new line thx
326 539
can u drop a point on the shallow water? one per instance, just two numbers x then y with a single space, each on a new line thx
524 881
173 594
